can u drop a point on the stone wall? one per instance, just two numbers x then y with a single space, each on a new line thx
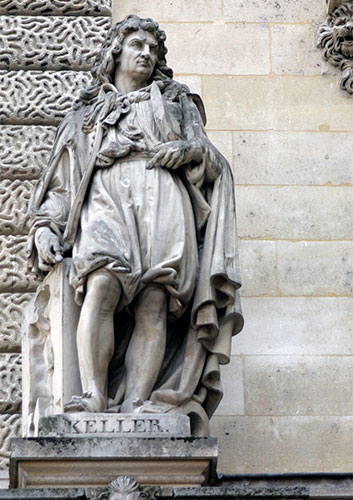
46 50
288 132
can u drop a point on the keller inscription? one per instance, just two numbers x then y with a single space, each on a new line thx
103 424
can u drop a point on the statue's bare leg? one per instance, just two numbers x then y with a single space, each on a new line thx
95 340
146 350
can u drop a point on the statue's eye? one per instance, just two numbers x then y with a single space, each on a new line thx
136 44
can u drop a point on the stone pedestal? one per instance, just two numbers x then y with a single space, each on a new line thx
58 462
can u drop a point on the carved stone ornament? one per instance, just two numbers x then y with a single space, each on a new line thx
335 38
127 488
133 230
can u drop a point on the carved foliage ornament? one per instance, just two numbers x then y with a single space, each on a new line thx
127 488
335 37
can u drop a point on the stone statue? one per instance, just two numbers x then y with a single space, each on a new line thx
143 205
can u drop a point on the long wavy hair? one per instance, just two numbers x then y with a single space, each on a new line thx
107 58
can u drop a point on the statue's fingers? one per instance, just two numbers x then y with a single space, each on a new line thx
156 159
168 157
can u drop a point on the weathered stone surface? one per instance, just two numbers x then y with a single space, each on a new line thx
11 310
273 158
273 11
174 11
258 265
286 325
233 387
10 427
36 97
294 50
293 444
10 383
47 43
277 103
14 200
245 48
223 142
85 424
24 151
14 274
304 385
45 462
56 7
295 212
315 268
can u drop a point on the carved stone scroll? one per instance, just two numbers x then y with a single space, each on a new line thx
46 43
11 310
24 151
36 97
56 7
335 38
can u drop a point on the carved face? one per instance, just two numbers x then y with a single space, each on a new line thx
343 36
139 55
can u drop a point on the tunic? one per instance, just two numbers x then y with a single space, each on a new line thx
136 222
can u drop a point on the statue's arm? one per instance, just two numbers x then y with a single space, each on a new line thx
50 203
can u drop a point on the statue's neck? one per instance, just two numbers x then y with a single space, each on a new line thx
125 84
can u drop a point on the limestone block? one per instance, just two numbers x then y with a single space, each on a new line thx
291 444
36 97
245 48
286 325
273 11
315 268
11 310
223 142
14 201
24 151
10 386
233 387
258 266
10 427
273 158
14 274
294 50
47 43
173 11
278 103
295 212
298 385
56 7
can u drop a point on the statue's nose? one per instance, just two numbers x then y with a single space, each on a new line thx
146 50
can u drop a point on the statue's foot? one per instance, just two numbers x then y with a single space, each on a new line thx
170 397
87 402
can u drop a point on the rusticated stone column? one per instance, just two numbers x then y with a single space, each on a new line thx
46 51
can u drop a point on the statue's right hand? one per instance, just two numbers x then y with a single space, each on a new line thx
49 248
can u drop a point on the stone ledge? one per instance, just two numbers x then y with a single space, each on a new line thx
95 462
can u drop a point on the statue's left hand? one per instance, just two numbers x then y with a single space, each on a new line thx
176 153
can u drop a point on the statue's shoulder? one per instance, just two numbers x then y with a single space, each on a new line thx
176 91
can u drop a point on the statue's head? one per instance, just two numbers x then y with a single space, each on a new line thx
109 59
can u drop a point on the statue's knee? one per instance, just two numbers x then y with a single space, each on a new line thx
103 290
